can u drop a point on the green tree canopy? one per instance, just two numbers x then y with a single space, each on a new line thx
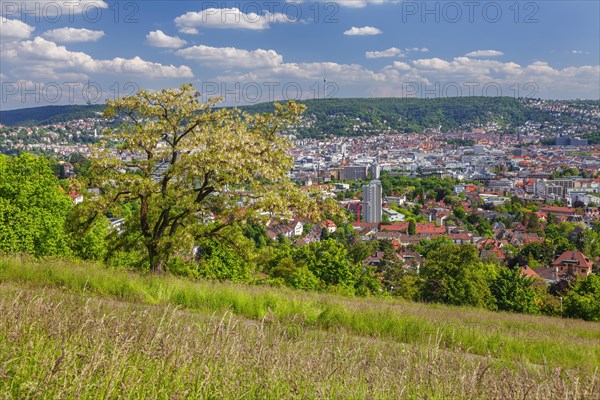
583 301
192 169
454 274
513 292
33 208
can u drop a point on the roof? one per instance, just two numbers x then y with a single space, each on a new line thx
428 227
557 210
576 258
395 227
528 272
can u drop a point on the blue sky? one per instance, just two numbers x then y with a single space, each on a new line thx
67 52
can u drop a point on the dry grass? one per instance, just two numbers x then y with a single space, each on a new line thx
58 345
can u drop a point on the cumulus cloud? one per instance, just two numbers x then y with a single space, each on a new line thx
41 52
364 31
402 66
72 35
485 53
391 52
159 39
13 29
420 49
230 57
227 18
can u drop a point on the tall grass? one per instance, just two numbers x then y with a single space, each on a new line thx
514 339
59 345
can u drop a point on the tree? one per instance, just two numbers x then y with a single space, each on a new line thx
33 208
454 274
192 169
328 261
583 301
513 292
412 227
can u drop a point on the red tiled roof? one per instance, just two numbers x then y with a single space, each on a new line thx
557 210
577 257
395 227
428 227
526 271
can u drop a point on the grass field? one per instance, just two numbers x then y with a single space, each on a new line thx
81 331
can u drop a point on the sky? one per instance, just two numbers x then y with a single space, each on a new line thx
247 52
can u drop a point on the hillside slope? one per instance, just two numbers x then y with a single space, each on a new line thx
340 116
84 331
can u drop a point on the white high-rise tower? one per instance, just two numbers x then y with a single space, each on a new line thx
372 199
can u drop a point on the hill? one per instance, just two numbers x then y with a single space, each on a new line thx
79 330
367 116
49 114
349 116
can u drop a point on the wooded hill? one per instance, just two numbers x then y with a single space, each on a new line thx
348 116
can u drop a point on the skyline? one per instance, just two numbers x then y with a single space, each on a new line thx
64 52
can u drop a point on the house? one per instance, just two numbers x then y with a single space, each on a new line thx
290 230
76 197
395 227
460 238
528 272
428 228
375 259
573 263
329 225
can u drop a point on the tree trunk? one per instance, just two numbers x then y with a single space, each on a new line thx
156 261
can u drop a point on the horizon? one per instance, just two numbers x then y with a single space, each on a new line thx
311 100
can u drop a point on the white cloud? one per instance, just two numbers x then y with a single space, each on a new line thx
159 39
420 49
72 35
189 30
227 18
41 52
391 52
485 53
365 30
579 52
402 66
13 29
231 57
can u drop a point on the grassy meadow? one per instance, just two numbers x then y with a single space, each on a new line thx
77 330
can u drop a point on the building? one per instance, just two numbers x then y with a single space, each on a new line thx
372 199
354 172
573 263
570 141
375 171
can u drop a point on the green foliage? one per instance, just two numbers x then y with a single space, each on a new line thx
508 338
32 207
435 188
226 257
338 116
513 292
454 274
49 114
92 243
583 301
328 261
178 188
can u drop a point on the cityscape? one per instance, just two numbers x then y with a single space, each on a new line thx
349 199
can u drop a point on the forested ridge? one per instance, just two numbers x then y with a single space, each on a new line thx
348 116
